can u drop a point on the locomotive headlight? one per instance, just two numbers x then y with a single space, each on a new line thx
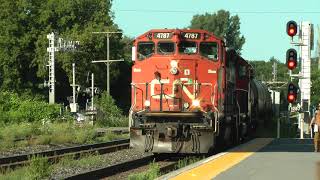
147 103
174 70
174 63
196 103
186 105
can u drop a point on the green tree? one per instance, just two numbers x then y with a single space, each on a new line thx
222 25
24 25
108 113
315 82
263 70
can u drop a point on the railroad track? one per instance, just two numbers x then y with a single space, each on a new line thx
122 170
113 171
106 147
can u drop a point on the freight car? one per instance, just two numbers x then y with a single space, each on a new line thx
191 94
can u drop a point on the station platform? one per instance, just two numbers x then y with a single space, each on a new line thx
258 159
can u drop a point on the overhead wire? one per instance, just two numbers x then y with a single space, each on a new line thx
233 12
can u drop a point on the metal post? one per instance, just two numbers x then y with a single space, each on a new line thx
274 71
51 50
301 127
278 127
92 91
161 89
108 66
73 83
74 106
147 91
288 113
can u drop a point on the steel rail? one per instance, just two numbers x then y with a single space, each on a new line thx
108 171
105 147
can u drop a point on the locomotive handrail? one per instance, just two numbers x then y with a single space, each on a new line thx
133 105
213 90
214 95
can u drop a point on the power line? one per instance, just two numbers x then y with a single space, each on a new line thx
232 12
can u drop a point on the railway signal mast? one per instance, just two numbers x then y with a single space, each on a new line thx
305 44
56 44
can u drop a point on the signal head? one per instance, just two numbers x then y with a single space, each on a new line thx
292 93
292 28
291 59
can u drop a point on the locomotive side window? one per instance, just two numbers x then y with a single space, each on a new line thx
145 50
165 47
209 50
242 71
187 47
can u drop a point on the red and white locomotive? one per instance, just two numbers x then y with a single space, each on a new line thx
190 94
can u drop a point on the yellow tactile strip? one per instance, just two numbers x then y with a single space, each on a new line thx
214 167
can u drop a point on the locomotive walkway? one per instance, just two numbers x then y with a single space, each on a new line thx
259 159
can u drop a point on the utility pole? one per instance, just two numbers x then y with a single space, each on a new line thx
274 71
318 47
107 61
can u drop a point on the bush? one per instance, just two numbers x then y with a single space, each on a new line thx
15 108
108 113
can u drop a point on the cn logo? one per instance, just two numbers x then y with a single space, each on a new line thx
155 82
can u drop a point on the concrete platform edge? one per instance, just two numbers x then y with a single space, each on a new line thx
192 166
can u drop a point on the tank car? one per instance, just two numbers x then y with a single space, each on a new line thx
190 94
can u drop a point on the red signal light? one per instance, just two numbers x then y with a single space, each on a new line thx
291 65
291 59
292 31
292 28
291 98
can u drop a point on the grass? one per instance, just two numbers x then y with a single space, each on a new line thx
187 161
40 168
154 170
26 134
152 173
14 175
85 161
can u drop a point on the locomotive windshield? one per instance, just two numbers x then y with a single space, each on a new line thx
209 50
188 47
145 50
165 47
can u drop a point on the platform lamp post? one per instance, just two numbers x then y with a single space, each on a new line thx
107 61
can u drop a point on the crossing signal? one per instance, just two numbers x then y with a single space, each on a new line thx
292 93
291 59
292 28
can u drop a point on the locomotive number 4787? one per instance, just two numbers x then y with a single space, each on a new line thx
191 35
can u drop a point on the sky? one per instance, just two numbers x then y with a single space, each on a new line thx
263 23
